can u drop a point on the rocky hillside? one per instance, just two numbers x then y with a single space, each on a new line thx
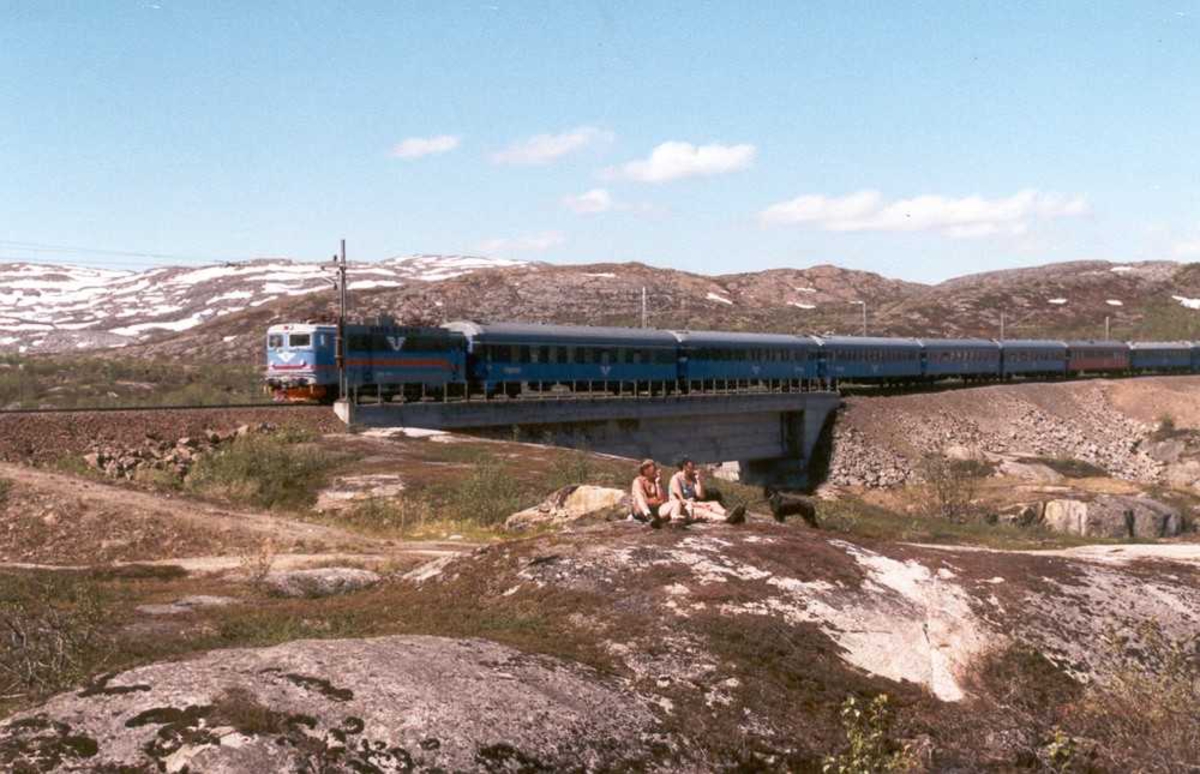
218 313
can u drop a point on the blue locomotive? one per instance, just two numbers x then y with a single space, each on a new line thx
469 359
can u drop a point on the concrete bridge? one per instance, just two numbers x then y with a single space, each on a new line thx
770 436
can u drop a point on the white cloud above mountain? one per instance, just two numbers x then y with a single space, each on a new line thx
530 243
677 160
544 149
417 147
961 218
1187 249
590 202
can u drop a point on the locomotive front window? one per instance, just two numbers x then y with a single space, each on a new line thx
275 341
300 340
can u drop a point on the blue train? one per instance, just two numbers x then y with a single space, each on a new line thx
468 359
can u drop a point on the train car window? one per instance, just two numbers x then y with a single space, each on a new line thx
523 355
300 340
543 354
275 341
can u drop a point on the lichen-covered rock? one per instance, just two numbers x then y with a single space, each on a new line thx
570 504
379 705
320 582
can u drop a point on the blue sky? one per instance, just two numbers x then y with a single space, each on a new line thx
918 140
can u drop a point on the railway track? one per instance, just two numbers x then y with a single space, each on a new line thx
113 409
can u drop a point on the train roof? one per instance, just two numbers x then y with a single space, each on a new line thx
866 341
742 339
1161 345
1096 343
304 327
533 333
1032 344
961 343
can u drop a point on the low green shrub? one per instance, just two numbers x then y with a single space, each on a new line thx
265 470
382 515
486 496
52 633
871 748
5 488
1071 468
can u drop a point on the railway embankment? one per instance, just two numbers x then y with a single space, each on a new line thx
47 437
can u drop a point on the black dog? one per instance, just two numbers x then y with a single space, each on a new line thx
784 505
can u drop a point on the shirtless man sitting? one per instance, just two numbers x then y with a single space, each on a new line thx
687 489
650 502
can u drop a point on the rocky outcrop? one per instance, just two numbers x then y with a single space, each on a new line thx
382 705
154 454
572 503
320 582
1113 516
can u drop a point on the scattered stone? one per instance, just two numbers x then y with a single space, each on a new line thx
187 605
321 582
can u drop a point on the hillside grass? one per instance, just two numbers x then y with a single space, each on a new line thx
92 382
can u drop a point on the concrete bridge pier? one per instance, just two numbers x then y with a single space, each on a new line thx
770 436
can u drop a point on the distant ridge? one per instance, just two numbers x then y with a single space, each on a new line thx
218 313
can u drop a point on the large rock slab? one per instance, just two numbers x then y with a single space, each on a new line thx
319 582
382 705
571 503
1113 516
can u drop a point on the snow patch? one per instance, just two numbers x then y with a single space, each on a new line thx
718 299
799 305
1119 269
1113 302
1058 301
1190 303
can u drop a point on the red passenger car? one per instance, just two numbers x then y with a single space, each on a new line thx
1097 356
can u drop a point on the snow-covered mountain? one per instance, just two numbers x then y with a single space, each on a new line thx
46 308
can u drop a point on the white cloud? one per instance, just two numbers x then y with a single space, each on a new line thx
1187 249
416 147
590 202
676 160
530 243
545 148
968 217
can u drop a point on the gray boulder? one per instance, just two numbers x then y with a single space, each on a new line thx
569 504
1167 451
1182 475
380 705
1113 516
322 582
1030 471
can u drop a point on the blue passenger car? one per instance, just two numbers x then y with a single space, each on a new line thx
1022 357
968 358
866 359
513 357
1160 356
710 359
